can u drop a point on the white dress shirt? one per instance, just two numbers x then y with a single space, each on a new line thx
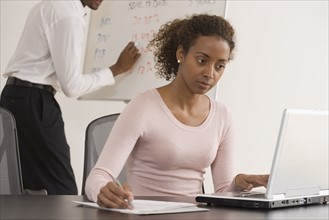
51 47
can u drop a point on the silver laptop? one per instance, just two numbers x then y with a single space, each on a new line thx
299 173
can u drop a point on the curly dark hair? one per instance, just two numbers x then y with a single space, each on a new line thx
184 32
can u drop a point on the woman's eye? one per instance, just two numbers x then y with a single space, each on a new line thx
220 66
201 61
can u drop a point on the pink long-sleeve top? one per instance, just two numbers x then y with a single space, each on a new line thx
163 156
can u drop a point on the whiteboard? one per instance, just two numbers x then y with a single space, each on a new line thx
116 23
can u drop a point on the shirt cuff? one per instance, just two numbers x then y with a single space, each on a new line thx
106 77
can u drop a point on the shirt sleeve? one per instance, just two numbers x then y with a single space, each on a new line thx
223 166
65 40
122 139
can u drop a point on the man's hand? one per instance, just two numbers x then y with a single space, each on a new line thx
126 60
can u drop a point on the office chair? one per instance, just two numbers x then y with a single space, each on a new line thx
97 133
11 182
10 176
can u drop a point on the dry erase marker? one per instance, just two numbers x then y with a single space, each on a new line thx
120 185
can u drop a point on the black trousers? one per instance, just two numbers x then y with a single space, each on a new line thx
44 152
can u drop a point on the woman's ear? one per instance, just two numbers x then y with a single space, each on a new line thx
180 54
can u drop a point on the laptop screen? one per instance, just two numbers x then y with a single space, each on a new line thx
300 164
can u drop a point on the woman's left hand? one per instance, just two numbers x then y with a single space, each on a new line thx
248 182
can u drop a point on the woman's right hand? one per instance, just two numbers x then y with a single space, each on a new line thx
114 196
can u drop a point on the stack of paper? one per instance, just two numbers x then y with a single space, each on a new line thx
147 207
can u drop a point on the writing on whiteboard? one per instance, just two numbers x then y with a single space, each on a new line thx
201 3
146 4
117 22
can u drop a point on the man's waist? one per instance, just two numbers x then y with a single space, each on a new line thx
18 82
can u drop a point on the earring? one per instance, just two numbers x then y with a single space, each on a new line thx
178 61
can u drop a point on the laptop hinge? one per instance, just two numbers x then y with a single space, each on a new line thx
324 192
279 196
303 191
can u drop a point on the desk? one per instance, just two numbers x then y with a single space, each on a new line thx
62 207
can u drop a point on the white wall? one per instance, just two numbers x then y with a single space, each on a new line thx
281 61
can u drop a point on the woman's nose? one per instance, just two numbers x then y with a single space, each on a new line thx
209 72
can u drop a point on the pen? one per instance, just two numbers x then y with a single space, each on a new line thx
120 185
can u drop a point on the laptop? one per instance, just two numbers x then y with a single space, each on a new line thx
299 174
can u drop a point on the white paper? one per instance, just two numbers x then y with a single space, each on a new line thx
147 207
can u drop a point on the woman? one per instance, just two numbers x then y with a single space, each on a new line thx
167 136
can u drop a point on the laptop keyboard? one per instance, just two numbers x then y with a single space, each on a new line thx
252 194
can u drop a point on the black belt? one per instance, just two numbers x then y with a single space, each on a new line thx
18 82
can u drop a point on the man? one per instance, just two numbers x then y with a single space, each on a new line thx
48 58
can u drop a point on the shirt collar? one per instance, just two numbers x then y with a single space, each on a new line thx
80 8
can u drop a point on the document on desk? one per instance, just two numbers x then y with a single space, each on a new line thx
150 207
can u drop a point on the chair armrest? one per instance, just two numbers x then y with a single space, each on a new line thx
41 192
